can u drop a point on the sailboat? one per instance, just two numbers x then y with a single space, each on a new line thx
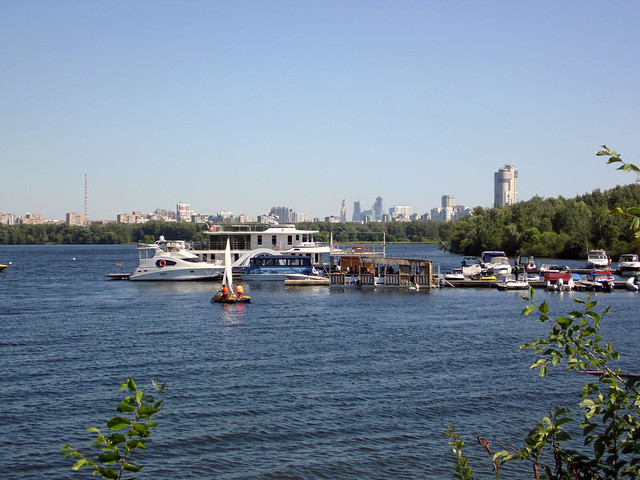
227 281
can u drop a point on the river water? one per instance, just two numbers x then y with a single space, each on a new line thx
305 383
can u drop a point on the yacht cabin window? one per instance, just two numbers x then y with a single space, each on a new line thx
289 239
259 239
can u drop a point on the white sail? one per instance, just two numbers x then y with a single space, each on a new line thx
228 275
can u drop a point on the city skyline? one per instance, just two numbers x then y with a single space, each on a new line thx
237 105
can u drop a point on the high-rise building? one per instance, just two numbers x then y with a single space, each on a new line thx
377 209
357 212
400 213
75 218
283 214
505 182
183 212
343 212
448 201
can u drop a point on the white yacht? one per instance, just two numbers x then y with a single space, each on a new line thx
628 265
496 262
597 259
248 241
173 260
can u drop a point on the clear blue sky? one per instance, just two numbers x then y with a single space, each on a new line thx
245 105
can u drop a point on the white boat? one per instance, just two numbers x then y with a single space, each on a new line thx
597 259
496 263
513 283
247 241
471 267
600 281
632 284
173 260
455 274
628 265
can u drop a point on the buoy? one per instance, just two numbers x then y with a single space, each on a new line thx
118 264
74 259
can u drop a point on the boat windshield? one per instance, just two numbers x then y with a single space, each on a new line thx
145 253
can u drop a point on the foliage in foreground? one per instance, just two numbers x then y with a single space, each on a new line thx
136 412
610 406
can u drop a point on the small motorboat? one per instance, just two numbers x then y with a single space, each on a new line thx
598 260
600 281
628 265
3 266
632 284
513 283
558 281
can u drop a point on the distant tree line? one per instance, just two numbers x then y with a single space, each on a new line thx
551 228
107 234
544 227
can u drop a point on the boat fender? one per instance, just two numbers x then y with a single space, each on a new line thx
162 263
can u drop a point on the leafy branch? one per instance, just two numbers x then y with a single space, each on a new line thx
633 212
610 408
117 448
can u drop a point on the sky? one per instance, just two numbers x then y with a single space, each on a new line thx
244 105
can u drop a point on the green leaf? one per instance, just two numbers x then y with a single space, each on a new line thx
528 310
126 406
109 457
118 423
147 410
78 465
131 468
564 322
543 308
108 473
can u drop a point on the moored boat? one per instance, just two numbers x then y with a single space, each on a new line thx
558 281
269 266
172 260
247 241
513 283
599 281
528 262
496 263
3 266
628 265
598 259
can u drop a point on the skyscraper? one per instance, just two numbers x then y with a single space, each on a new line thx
505 184
377 209
448 201
357 212
343 212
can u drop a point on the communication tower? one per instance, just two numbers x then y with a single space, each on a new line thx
86 200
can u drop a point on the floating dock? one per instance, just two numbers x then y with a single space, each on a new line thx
118 276
306 282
